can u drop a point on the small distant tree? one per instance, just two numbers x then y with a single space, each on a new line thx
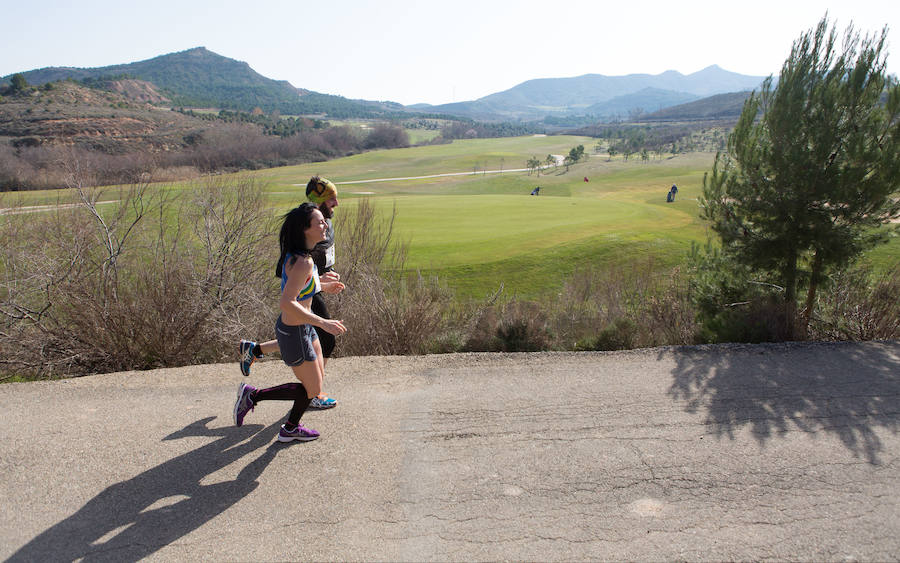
533 164
612 152
387 136
551 161
813 166
576 154
645 156
18 83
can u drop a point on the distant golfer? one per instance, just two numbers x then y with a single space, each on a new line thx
536 191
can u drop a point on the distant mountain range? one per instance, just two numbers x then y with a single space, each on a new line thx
720 106
200 78
601 96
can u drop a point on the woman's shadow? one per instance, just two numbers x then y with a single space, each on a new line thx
126 512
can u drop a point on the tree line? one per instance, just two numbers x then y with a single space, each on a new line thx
224 147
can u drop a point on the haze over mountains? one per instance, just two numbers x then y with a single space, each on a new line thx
200 78
602 96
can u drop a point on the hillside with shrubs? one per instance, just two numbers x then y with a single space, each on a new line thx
123 136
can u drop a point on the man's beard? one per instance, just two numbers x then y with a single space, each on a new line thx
326 211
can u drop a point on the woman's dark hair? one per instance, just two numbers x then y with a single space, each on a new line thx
293 234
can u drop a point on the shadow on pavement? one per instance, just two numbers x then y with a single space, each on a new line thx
845 389
127 513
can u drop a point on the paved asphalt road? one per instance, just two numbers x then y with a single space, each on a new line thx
786 452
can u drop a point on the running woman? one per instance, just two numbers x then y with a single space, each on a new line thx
303 228
323 193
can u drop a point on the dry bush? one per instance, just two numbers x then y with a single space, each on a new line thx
510 326
385 311
669 315
596 309
624 308
154 280
762 318
859 306
396 317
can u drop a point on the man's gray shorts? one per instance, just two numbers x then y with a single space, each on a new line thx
295 342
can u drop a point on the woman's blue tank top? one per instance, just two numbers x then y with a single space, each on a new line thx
312 286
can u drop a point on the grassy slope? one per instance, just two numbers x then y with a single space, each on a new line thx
477 230
459 156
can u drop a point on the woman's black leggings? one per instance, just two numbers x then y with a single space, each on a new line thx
287 392
326 339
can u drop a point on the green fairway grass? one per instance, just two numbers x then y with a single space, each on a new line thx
476 242
472 155
480 228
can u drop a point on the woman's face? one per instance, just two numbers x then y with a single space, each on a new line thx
317 230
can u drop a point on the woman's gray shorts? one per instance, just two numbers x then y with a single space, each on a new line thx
295 342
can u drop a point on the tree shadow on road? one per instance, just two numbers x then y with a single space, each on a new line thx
849 390
162 504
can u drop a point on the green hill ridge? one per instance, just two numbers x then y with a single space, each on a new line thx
200 78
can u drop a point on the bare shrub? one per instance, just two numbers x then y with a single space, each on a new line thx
13 170
859 306
668 315
391 317
365 242
141 283
342 139
620 335
511 326
625 308
385 311
609 309
387 136
174 173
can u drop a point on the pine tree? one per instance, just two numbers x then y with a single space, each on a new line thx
812 167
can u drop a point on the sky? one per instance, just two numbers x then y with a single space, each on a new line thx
422 51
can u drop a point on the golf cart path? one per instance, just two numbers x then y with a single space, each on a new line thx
445 174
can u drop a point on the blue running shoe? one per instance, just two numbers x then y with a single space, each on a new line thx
322 402
247 357
300 433
244 403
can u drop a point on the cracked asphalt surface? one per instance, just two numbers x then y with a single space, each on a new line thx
732 452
